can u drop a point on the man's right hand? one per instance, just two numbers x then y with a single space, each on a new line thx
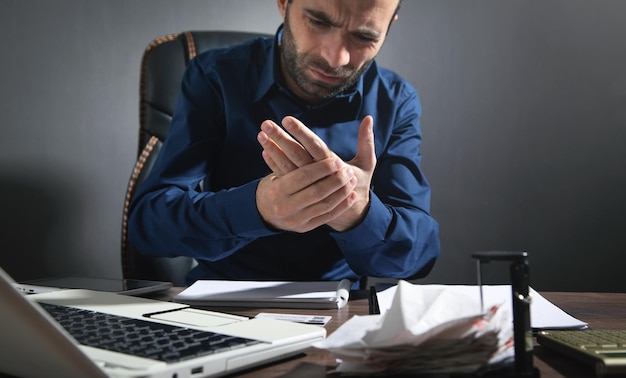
283 153
307 197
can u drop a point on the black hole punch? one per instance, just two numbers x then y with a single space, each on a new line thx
522 332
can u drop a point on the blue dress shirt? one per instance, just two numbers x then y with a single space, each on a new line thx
199 199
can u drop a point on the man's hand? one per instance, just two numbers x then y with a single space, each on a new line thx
295 160
307 197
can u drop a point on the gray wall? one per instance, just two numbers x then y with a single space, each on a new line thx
524 125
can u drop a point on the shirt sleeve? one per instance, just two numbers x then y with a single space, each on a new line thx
169 215
398 237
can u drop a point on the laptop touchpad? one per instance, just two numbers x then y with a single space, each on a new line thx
198 318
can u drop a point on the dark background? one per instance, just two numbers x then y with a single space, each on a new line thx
524 128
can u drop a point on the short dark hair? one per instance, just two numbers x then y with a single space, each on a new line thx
395 13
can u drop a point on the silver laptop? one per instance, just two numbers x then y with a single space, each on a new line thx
124 336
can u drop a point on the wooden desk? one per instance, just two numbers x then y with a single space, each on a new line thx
600 310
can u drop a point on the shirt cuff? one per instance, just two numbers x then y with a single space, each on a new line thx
371 230
242 213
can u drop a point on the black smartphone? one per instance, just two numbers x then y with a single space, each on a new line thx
121 286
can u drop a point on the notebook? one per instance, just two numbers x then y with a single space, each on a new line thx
270 294
34 345
605 350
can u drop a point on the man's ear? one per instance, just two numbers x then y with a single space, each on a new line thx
282 7
393 19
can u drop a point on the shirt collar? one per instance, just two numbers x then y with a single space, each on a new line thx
267 80
271 78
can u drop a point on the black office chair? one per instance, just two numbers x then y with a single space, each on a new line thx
162 68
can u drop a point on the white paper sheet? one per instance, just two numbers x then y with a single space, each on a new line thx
543 313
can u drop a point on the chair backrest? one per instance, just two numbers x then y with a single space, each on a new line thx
162 68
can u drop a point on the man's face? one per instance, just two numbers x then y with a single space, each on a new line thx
327 45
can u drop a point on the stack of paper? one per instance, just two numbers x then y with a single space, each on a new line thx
427 329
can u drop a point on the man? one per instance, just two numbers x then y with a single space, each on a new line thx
338 193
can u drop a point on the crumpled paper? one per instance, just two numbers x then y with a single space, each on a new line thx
428 329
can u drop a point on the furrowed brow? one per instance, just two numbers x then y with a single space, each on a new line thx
363 32
321 16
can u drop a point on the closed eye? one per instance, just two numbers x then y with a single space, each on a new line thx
366 37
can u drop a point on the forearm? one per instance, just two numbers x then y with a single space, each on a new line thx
212 225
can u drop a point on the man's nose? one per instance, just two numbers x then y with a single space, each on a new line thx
335 51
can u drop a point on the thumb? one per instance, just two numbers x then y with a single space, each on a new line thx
366 154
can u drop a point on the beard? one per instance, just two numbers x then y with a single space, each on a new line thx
296 66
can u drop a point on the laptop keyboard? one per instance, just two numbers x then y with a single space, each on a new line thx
141 338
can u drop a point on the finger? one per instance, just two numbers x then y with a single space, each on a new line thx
341 202
366 154
304 177
280 162
332 204
290 147
274 157
313 144
275 168
306 201
325 194
334 193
